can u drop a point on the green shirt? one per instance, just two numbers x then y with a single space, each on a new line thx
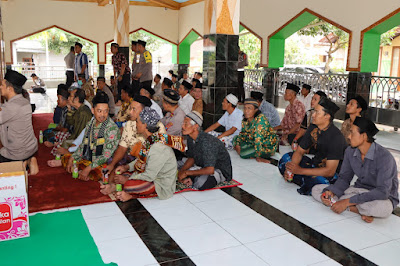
161 168
112 136
78 119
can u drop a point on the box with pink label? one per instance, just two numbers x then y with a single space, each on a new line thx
14 220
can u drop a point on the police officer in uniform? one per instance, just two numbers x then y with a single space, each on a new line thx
135 62
144 72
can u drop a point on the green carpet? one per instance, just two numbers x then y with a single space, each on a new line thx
60 238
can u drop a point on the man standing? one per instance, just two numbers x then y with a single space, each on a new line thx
135 64
145 71
81 62
231 121
102 86
122 71
174 117
186 101
267 109
242 62
69 60
99 143
207 153
329 145
17 140
305 96
294 114
375 193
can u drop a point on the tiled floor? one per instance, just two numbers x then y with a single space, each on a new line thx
214 228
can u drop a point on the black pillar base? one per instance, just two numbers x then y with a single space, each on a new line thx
182 68
102 72
220 60
126 51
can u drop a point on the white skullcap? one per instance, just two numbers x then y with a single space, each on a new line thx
232 99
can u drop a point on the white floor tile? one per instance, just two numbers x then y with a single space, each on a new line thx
202 239
389 226
315 213
126 252
251 228
50 211
110 228
286 250
196 196
185 216
351 234
94 211
236 256
326 263
386 254
155 203
224 208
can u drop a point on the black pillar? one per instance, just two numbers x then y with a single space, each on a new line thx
182 68
126 51
102 72
359 84
220 60
269 85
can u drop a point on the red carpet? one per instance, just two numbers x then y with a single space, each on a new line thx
54 188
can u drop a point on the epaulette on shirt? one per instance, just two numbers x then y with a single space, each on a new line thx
147 56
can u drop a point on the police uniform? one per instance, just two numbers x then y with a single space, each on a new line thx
146 68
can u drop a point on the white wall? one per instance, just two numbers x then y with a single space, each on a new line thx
22 17
191 16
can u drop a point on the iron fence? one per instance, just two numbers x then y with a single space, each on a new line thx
384 92
253 79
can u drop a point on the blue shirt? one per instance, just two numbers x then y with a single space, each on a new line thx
270 113
378 174
232 120
80 60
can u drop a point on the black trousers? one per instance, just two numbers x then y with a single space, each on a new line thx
240 88
38 90
70 78
126 81
135 86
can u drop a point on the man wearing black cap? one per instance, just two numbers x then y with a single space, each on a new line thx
305 96
122 71
102 86
329 145
294 114
144 73
375 193
148 92
186 101
174 117
166 84
17 140
355 107
130 137
81 62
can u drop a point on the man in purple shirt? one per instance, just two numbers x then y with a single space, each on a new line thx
375 193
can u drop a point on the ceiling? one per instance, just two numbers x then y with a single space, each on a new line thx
171 4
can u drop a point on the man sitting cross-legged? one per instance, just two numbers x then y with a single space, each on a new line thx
99 143
329 144
375 193
130 136
155 167
207 153
231 121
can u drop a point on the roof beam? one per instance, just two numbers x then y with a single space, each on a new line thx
103 2
166 3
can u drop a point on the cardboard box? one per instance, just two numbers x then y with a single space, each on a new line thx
14 216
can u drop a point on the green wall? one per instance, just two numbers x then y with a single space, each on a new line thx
184 47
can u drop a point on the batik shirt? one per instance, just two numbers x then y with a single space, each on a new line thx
123 113
130 136
110 141
346 126
294 114
259 134
118 60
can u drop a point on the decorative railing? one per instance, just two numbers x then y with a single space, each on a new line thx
385 92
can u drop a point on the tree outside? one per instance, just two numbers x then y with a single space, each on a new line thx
251 45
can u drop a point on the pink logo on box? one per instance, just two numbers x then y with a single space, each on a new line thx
13 227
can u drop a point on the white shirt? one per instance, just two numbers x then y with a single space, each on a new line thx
186 103
157 108
306 100
77 141
232 120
